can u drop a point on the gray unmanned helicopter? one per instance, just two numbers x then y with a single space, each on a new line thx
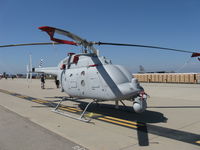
88 75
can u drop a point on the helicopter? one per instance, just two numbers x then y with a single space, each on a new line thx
87 75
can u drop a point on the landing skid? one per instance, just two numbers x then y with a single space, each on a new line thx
117 104
80 118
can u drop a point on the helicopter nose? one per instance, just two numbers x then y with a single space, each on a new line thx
136 85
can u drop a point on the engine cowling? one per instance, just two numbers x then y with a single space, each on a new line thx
140 104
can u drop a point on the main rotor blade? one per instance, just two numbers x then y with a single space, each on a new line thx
27 44
70 35
51 30
148 46
78 40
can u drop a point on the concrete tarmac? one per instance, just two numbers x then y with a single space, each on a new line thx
171 121
20 133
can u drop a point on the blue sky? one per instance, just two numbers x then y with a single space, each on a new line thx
172 23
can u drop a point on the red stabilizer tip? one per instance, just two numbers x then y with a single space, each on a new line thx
195 54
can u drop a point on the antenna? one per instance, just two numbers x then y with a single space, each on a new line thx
29 71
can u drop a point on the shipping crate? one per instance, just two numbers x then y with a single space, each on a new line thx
177 78
145 78
187 78
165 78
160 78
198 77
142 78
156 78
169 78
173 78
192 78
182 78
149 76
153 78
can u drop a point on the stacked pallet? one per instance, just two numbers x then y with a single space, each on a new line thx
169 77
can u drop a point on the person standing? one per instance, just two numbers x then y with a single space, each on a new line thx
57 82
42 81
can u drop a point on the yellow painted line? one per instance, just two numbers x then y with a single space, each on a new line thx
124 124
66 109
42 101
74 108
6 92
198 142
22 96
63 107
131 122
37 101
91 114
71 108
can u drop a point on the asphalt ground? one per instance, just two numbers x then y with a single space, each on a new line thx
171 121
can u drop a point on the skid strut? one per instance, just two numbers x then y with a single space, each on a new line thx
81 117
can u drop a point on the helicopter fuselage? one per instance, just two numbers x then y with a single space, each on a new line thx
97 78
87 75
